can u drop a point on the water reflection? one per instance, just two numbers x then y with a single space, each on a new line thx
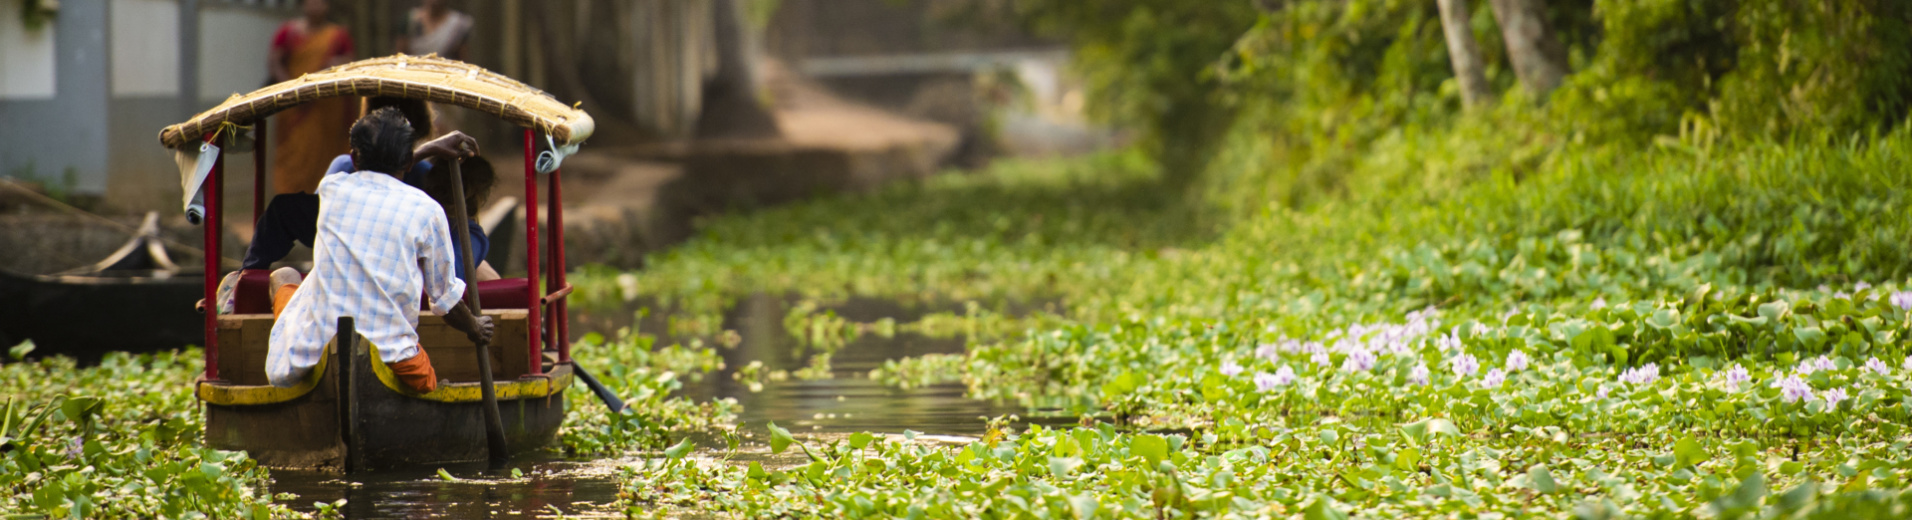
845 402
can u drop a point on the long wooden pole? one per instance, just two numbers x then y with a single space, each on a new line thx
461 231
259 166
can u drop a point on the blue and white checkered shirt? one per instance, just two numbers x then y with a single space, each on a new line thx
374 233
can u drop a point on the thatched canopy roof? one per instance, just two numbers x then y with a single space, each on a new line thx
428 78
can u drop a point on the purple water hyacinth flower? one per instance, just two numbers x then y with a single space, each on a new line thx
1231 369
1360 360
1452 341
1493 379
1902 300
1268 351
1267 382
1420 375
1736 377
1599 303
1284 375
1517 361
1861 286
1602 392
1464 365
1907 365
1641 375
1794 389
1841 295
1878 367
1833 396
1321 358
1809 366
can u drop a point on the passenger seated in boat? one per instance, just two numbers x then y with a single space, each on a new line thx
380 246
479 178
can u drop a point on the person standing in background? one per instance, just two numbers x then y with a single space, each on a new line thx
434 28
308 137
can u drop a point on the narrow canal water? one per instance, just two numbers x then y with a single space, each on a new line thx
549 487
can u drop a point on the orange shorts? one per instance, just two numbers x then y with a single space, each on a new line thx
280 296
416 372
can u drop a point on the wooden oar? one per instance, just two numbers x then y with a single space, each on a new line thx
604 393
461 231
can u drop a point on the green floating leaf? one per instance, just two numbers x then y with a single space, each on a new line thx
1323 509
20 351
1121 385
682 448
1542 479
78 409
780 439
1688 451
1409 459
1151 447
860 439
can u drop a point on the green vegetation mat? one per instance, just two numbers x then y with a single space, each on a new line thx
1677 286
1662 333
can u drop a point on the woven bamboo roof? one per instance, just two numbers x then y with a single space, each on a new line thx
428 78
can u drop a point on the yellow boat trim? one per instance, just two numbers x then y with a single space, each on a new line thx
526 387
244 395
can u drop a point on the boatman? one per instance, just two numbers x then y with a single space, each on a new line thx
381 245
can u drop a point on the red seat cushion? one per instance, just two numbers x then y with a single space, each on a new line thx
252 296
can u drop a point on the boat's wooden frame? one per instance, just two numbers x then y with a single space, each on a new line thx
355 415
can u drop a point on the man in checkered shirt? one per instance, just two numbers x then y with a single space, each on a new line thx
380 243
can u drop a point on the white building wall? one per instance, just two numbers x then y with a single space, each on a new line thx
26 58
145 44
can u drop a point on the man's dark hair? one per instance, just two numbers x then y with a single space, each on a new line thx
382 142
416 111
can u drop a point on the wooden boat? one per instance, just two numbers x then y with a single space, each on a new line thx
352 413
84 312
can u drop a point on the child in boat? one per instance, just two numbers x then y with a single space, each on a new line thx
381 247
479 178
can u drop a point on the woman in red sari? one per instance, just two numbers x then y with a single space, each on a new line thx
308 137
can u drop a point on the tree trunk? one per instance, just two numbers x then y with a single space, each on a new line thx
1462 51
731 108
1538 58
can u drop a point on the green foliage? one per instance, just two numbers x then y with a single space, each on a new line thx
130 450
1703 262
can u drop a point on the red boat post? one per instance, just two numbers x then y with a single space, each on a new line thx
211 189
532 296
560 312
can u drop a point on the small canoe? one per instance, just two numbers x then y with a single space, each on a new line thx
85 312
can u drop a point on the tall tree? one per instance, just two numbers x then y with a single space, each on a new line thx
1539 59
1464 53
731 108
